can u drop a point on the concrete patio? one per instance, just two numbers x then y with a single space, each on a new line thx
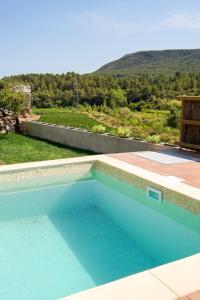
177 165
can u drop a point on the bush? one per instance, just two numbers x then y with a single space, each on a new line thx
99 129
125 111
154 139
173 119
123 132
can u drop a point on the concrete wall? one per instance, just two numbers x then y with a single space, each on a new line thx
82 139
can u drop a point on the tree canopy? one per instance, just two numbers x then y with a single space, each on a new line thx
49 90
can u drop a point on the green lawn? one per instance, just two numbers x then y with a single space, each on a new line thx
15 148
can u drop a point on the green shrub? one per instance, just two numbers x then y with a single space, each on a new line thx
99 129
123 132
173 119
124 111
11 100
154 139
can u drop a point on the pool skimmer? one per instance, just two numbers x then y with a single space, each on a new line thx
154 194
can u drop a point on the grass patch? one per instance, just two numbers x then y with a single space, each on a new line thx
67 117
138 124
16 148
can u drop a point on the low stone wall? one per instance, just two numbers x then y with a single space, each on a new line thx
86 140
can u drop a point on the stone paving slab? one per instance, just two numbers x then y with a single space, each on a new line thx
163 158
187 171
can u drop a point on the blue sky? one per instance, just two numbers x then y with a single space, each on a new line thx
82 35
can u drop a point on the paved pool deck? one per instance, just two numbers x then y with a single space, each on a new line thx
186 169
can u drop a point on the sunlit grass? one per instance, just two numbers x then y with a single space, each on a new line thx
15 148
143 124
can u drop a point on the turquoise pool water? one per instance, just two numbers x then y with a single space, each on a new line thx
59 240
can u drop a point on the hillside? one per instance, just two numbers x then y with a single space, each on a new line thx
165 61
50 90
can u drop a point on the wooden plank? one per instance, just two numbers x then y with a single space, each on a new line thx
190 122
190 98
191 146
181 124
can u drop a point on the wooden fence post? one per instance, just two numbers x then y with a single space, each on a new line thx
190 122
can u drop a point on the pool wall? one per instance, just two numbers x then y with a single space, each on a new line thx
169 194
83 168
46 200
44 173
143 219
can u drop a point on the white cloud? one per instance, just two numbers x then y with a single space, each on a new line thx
105 23
100 22
182 21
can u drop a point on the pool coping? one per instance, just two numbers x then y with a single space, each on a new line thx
177 192
158 181
150 176
169 281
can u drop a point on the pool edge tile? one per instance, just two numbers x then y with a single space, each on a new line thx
182 276
171 281
129 288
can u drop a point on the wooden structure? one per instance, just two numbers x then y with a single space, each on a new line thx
190 122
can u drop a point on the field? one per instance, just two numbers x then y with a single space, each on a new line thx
150 125
67 117
15 148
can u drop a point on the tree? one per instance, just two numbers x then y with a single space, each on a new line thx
12 103
49 90
116 98
11 100
173 119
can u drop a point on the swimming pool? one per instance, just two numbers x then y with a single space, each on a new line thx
59 239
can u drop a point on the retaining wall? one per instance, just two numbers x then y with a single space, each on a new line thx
86 140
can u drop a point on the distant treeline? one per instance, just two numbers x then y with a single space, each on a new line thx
72 89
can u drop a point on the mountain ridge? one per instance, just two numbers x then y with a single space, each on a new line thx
161 61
